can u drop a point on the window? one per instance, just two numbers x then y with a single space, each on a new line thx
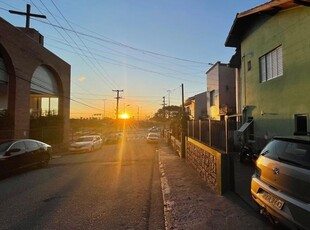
271 65
212 97
3 73
288 151
249 65
301 124
31 145
4 78
43 106
18 145
44 93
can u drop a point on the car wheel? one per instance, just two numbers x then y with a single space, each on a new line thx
45 162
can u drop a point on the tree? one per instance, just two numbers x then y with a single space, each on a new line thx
167 113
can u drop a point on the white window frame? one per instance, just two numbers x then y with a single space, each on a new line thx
271 65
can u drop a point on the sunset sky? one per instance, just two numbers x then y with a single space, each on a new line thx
145 48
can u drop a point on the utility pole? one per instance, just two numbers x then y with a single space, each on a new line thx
164 111
28 15
183 108
104 107
117 100
164 106
183 124
169 91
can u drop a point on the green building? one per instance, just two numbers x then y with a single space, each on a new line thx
272 44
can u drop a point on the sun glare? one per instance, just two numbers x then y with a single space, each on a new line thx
124 116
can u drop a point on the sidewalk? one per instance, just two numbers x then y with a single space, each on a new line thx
190 204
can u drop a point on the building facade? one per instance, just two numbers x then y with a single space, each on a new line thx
196 106
273 53
34 86
221 91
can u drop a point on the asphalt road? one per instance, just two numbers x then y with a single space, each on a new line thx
117 187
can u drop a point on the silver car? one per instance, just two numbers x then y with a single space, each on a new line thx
281 182
152 138
86 143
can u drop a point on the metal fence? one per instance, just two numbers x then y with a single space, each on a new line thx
214 133
50 134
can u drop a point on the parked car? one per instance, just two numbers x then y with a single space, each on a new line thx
154 129
86 143
19 154
152 138
281 182
113 138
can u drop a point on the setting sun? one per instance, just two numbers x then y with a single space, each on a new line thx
124 116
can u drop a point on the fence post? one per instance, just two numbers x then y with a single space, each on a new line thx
226 134
193 128
199 130
188 128
210 133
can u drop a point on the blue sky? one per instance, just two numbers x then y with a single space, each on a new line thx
146 48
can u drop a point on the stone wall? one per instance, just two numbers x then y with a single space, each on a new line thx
211 165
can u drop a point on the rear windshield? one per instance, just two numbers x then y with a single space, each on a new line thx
84 139
293 153
153 135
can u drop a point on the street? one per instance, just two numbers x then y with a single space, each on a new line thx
116 187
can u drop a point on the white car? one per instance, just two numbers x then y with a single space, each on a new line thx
152 138
87 143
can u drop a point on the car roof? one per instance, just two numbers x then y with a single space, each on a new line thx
89 136
300 139
13 140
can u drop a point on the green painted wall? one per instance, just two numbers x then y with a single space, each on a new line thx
283 97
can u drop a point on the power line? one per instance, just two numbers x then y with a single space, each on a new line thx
127 46
141 69
111 81
77 46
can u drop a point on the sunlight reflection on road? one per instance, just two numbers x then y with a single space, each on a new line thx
120 155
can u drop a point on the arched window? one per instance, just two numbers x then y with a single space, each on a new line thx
44 93
3 86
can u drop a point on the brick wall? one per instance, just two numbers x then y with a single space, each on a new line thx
22 56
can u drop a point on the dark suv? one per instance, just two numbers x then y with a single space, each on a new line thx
281 182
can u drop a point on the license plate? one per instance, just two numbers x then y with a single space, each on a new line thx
272 200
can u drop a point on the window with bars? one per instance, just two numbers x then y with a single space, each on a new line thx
271 65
